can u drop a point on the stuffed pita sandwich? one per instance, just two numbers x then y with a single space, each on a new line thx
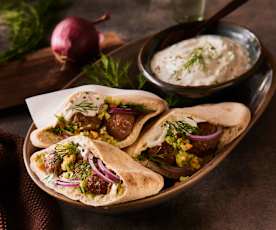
180 142
116 119
94 172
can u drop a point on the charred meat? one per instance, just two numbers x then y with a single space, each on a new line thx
203 148
165 152
97 186
86 122
52 163
120 125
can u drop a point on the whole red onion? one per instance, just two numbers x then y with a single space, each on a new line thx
75 39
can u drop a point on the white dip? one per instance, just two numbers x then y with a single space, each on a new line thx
204 60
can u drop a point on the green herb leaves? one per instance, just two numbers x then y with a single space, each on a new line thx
112 73
83 106
26 25
25 29
63 126
66 149
196 58
82 170
179 128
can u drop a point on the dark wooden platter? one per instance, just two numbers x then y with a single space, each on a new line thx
39 72
256 93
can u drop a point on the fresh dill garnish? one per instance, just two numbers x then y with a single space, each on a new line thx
83 106
142 156
27 23
195 58
66 149
63 126
179 127
82 170
113 73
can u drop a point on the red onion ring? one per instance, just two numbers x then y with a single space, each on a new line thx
205 137
67 184
122 110
107 172
97 172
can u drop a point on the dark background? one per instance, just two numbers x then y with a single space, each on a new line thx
241 192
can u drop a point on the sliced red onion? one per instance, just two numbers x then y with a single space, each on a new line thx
67 184
205 137
97 172
107 172
122 110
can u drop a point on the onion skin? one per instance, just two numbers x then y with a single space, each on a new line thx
75 39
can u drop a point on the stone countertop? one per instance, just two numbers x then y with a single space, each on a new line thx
241 192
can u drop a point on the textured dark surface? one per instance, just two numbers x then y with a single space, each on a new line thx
241 192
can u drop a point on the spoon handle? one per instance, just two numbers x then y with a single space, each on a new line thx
227 9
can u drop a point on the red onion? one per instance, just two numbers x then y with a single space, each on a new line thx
67 183
75 39
122 110
97 172
206 137
107 172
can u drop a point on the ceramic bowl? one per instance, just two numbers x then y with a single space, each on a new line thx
178 33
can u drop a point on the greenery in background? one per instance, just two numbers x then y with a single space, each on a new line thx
113 73
27 23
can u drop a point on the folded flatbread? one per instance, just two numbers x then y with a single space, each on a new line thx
94 172
113 118
180 142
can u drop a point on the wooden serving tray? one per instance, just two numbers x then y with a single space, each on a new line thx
39 72
256 93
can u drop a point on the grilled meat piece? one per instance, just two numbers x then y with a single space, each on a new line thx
165 153
120 125
203 148
97 186
52 163
86 122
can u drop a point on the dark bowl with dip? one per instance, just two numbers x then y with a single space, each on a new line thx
178 33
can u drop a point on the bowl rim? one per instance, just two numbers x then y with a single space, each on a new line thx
160 83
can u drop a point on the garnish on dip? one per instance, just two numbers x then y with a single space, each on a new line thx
204 60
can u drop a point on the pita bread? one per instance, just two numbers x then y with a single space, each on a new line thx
43 138
233 117
137 181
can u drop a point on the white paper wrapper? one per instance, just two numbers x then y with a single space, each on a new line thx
44 107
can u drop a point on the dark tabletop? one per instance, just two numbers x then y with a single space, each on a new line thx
241 192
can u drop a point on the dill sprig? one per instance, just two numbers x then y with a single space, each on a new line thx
82 170
63 126
195 58
179 127
83 106
27 23
66 149
113 73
